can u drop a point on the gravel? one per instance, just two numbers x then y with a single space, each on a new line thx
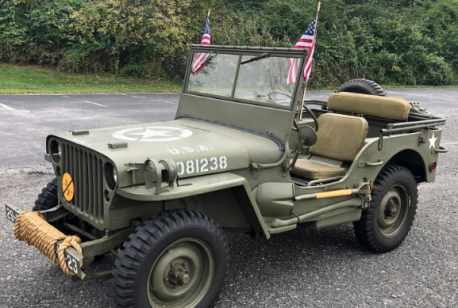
313 268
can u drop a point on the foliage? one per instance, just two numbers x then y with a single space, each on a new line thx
390 41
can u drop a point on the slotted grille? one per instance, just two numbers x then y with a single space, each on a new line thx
86 170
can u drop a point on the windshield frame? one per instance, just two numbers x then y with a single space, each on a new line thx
253 52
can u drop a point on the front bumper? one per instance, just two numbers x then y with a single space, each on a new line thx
72 258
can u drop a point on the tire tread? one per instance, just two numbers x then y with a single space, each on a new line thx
144 239
364 227
370 85
47 198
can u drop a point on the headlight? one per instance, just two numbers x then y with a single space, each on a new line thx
111 176
157 172
55 151
171 170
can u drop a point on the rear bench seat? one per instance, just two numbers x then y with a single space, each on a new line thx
392 108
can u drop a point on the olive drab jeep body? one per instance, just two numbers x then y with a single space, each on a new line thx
241 156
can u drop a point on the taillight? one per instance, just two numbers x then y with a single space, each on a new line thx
433 166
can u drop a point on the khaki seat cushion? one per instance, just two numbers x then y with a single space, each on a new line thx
314 170
393 108
339 137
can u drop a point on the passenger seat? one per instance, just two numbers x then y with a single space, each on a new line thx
339 137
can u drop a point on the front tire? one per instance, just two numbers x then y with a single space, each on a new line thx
386 223
177 259
47 199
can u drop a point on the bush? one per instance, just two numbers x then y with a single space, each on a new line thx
390 41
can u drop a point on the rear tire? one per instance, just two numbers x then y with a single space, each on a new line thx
386 223
174 244
362 86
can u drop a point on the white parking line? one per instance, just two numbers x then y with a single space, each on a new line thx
96 104
423 95
156 100
6 107
164 101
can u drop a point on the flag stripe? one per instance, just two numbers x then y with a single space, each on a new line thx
307 41
200 58
305 45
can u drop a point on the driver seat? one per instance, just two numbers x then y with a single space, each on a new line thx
339 138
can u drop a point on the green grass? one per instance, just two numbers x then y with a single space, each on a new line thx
16 79
32 79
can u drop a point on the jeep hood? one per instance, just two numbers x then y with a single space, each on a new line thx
197 147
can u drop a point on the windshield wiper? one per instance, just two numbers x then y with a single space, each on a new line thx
261 56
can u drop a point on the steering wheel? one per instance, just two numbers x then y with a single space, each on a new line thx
278 92
315 120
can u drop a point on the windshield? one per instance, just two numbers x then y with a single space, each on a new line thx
213 73
261 78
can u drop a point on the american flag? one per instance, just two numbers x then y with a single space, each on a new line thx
307 41
199 58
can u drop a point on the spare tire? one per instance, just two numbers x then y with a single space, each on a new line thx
362 86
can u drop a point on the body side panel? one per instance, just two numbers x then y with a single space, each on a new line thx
206 184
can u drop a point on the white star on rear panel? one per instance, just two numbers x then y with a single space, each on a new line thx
432 142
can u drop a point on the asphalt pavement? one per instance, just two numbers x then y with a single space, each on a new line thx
301 268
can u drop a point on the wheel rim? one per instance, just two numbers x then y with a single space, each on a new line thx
393 209
181 275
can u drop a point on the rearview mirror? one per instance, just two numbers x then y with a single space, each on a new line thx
308 135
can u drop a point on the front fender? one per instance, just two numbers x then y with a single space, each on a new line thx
201 185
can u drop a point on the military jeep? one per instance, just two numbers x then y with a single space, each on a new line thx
244 154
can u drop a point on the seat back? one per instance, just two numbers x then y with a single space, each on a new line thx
340 137
392 108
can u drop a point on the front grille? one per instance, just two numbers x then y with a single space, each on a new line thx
86 170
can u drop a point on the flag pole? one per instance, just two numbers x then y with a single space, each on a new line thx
305 86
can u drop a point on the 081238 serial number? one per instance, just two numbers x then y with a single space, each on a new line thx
202 165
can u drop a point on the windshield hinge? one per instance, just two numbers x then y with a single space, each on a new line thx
254 169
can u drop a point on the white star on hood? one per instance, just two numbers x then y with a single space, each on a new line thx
153 133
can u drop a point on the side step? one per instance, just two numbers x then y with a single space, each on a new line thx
268 221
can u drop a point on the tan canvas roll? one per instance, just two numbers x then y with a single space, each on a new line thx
393 108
